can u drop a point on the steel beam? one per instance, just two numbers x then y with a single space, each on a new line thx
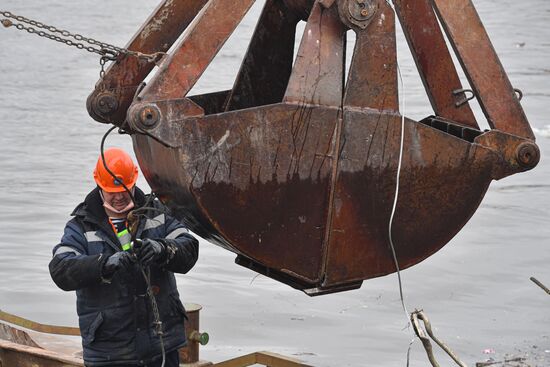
266 68
482 66
318 75
433 60
113 94
181 70
372 79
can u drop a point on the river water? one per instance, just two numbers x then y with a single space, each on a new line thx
476 290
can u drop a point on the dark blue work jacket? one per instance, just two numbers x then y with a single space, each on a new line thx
115 315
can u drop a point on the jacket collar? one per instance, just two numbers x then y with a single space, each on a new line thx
91 210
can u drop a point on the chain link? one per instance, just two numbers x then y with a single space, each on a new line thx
107 51
102 62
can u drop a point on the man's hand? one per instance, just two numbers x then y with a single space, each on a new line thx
117 261
150 251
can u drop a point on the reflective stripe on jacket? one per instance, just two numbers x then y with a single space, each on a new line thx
115 317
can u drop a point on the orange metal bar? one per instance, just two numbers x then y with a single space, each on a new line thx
113 94
181 70
433 59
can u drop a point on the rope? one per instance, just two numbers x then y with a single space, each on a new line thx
394 208
102 150
396 197
154 307
412 322
146 274
138 211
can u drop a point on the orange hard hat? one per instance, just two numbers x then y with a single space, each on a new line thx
120 163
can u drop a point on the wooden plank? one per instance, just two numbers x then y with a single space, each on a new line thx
263 358
14 335
12 354
242 361
42 328
277 360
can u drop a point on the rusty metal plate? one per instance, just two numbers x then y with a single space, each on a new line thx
255 181
318 74
302 190
443 180
114 93
372 80
271 167
266 68
181 69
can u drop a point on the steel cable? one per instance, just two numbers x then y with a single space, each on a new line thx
106 50
394 206
146 274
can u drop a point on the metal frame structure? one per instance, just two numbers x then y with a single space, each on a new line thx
294 169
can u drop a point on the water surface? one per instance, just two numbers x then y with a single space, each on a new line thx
476 290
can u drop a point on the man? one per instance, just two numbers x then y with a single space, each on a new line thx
98 259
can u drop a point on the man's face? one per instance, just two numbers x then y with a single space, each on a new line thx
118 200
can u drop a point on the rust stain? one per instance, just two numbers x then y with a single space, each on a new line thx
294 169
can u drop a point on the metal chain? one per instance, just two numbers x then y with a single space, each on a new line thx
102 61
106 50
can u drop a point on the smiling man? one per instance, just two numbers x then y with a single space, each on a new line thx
97 258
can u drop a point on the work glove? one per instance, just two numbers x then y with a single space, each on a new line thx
117 261
150 251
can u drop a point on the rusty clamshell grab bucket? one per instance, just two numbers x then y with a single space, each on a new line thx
294 169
